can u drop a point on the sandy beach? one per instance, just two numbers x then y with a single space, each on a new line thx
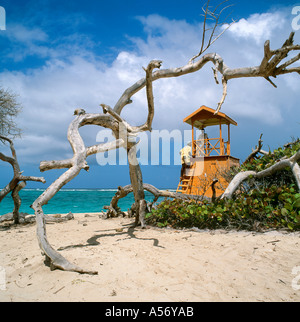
151 265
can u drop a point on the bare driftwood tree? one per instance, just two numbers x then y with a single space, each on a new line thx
214 15
282 164
113 210
9 109
18 181
258 149
74 166
270 66
292 163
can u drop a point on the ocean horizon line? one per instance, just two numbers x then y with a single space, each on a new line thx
86 189
76 200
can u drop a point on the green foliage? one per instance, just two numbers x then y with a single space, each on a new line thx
272 203
272 208
265 161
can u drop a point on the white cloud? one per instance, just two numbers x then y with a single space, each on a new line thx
24 41
258 26
173 41
20 33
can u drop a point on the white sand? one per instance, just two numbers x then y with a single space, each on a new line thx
149 265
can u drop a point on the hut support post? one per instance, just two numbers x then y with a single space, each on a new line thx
221 141
228 143
193 141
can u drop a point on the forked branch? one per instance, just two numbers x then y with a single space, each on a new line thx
269 67
74 166
258 149
215 16
114 211
18 182
292 163
270 64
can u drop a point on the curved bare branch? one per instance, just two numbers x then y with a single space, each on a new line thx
214 15
149 90
74 166
268 68
258 149
122 192
15 185
242 176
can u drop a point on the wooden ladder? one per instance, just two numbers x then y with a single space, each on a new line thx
184 185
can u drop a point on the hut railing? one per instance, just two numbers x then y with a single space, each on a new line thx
209 147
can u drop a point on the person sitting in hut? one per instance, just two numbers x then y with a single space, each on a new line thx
185 153
202 142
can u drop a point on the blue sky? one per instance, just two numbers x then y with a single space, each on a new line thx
60 55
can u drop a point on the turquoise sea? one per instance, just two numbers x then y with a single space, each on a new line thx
66 200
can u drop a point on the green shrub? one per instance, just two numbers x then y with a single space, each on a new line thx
270 203
272 208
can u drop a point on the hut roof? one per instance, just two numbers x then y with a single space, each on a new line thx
205 116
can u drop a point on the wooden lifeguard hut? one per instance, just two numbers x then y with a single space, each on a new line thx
210 156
